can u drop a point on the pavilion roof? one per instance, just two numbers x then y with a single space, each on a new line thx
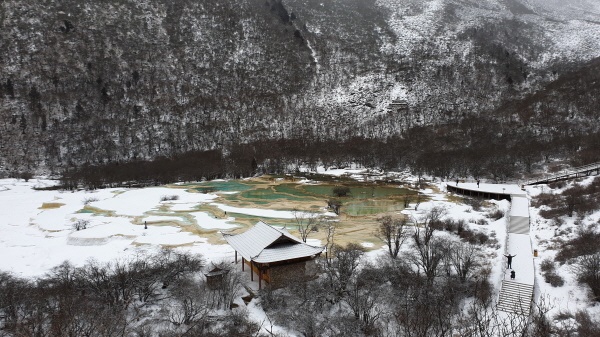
264 243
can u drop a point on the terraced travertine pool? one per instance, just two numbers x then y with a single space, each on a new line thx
359 211
363 199
205 208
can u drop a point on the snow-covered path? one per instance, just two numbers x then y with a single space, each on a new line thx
515 294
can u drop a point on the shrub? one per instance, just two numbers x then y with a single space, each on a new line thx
587 270
554 279
558 222
549 272
577 199
449 225
481 238
547 265
473 237
26 176
466 235
496 214
341 191
586 325
460 226
482 222
477 204
169 197
543 199
585 242
438 224
80 224
89 200
334 205
557 184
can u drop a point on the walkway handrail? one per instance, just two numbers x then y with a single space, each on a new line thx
566 173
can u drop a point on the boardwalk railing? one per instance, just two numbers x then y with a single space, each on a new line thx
568 174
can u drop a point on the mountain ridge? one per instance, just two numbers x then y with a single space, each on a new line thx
98 82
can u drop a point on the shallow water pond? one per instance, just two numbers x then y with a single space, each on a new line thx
371 207
364 199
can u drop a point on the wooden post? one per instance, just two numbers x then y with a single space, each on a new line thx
236 257
251 270
259 279
243 263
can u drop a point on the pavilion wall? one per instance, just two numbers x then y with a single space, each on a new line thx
284 274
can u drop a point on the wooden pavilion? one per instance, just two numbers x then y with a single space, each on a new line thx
273 254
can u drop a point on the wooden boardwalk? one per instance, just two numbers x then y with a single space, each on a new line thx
582 171
516 295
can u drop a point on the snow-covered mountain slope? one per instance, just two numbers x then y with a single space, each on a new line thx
86 81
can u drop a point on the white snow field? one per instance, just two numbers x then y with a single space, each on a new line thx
37 234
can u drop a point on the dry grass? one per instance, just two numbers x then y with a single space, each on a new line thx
51 205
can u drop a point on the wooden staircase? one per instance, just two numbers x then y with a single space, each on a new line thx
515 298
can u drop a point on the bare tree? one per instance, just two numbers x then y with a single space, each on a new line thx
418 200
393 231
541 324
429 251
329 244
307 222
587 270
189 305
482 319
587 326
221 296
342 269
428 256
426 224
573 197
463 258
406 199
335 205
364 298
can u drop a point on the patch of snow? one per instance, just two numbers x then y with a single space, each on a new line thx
206 221
265 213
136 202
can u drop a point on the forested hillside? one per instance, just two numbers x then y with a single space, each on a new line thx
266 83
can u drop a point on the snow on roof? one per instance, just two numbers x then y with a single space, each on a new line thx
287 251
264 243
519 206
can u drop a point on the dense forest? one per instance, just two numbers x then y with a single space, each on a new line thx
246 86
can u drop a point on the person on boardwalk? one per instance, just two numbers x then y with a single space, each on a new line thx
509 260
512 275
477 183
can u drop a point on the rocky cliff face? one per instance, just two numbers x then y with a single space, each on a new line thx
86 81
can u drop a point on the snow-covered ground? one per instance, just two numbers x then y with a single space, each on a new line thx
36 229
572 296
